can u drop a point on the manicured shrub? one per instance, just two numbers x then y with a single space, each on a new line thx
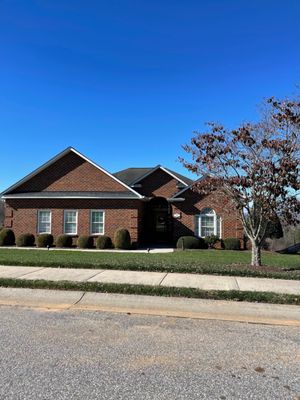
64 241
188 242
45 240
122 239
104 242
202 243
7 237
85 242
26 239
211 240
232 244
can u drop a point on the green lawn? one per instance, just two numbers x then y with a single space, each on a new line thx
202 261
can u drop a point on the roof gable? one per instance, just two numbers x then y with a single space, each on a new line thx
70 171
131 176
189 187
180 177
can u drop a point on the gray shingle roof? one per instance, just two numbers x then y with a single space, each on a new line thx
73 195
130 175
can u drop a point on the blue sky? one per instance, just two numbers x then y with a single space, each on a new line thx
127 82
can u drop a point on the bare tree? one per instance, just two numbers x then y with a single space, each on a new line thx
256 165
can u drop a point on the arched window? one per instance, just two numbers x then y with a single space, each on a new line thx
208 223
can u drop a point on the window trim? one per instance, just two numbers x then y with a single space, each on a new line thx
64 222
91 222
38 221
216 218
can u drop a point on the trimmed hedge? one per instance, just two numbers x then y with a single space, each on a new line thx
7 237
104 242
211 240
232 244
45 240
122 239
202 244
64 241
25 240
191 242
187 242
85 242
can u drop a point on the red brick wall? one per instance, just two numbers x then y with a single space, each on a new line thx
194 203
159 183
71 173
21 215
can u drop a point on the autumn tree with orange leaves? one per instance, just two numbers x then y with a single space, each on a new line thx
257 165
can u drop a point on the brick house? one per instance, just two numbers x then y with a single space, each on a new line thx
73 195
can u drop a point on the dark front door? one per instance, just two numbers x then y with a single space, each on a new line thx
158 221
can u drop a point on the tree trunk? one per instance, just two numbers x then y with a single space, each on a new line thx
256 254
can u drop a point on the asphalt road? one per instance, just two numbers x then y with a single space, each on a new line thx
93 355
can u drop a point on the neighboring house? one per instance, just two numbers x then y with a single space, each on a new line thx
71 194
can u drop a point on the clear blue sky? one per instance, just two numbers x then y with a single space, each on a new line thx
127 82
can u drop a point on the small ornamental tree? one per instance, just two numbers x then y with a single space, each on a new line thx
257 166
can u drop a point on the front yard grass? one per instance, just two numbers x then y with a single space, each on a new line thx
284 266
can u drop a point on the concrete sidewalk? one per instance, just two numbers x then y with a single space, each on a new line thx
204 282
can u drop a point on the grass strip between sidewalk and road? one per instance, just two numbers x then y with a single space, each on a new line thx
235 295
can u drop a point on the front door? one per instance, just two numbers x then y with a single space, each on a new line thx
161 225
158 221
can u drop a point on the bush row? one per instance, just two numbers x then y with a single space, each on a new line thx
232 244
122 240
192 242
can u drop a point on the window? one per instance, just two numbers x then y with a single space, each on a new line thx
70 222
44 221
208 223
97 222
